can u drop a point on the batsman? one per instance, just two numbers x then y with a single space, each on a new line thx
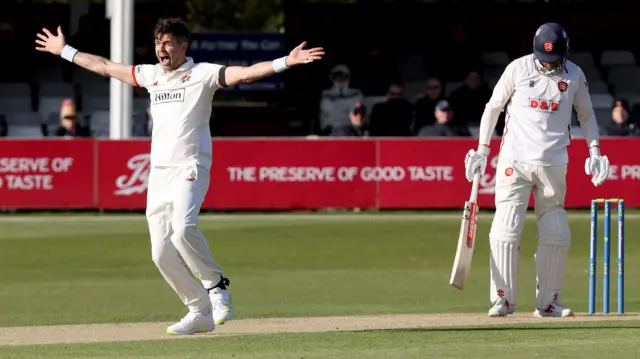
539 91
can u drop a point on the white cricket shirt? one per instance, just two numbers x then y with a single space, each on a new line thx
538 112
180 108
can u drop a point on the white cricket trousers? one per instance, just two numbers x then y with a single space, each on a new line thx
515 182
174 197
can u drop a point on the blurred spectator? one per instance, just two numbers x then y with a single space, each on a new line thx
620 124
424 106
356 128
470 100
394 116
336 101
444 125
375 72
69 126
4 127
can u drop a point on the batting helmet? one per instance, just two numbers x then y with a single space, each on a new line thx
550 43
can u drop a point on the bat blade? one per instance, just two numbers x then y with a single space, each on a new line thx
466 240
466 245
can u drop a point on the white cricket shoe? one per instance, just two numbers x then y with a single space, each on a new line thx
554 309
192 323
501 308
221 302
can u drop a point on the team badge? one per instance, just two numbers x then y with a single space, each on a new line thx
508 172
563 86
548 46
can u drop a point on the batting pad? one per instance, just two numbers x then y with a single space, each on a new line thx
550 265
504 263
504 239
554 240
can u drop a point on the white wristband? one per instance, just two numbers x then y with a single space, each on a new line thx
68 52
280 64
594 151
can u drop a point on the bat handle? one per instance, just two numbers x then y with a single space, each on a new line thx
475 186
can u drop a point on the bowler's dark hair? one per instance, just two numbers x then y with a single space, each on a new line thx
172 26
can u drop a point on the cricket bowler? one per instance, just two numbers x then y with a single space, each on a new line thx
539 91
181 93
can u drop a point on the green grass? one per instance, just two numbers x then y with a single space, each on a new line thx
92 271
101 271
586 340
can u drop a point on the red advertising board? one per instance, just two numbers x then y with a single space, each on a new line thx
47 174
624 175
289 173
417 172
123 172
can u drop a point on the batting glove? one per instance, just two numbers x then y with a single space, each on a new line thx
476 161
597 166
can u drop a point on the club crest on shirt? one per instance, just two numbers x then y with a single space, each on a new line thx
532 83
563 86
185 78
166 96
543 105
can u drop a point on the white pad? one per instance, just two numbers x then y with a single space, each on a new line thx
504 237
554 239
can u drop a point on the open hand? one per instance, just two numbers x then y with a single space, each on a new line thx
300 55
49 42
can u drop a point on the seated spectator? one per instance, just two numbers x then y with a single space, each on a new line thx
394 116
444 125
4 127
357 127
425 105
336 101
69 126
470 100
620 124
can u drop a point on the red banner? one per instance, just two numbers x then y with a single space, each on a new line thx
123 172
289 173
47 174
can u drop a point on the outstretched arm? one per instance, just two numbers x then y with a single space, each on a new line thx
56 44
239 74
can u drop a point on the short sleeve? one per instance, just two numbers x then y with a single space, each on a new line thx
214 75
143 75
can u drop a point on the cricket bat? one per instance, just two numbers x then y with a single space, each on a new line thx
467 238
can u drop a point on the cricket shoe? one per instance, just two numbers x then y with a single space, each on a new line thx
501 308
221 302
554 309
192 323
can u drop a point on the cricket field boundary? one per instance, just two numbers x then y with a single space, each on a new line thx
345 216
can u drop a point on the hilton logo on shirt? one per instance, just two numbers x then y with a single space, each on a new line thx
167 96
